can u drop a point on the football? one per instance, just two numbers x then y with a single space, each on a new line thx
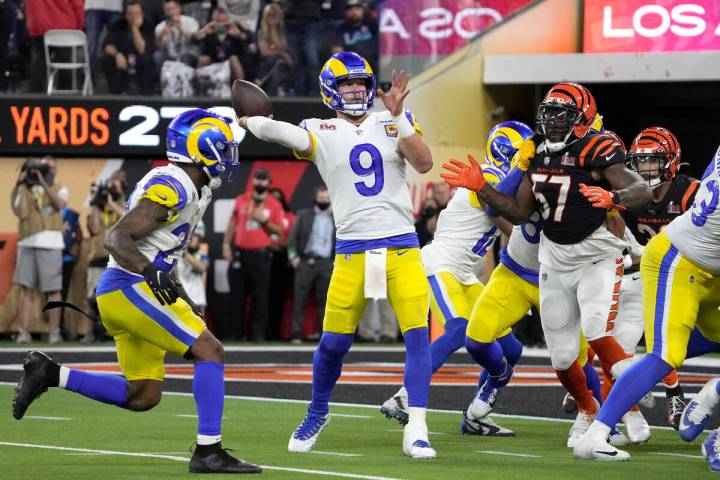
249 100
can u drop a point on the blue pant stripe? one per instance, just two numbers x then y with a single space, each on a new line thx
437 291
160 318
662 292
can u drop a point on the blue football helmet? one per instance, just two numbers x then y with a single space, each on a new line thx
503 142
342 66
205 139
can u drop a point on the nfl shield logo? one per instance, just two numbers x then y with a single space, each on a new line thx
546 161
348 257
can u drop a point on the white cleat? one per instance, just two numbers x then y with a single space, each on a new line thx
618 439
648 401
397 407
638 430
303 439
581 425
416 444
592 446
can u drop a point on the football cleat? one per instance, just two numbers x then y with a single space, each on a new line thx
303 439
569 404
33 382
675 406
488 394
617 438
593 446
695 417
581 425
711 451
216 459
637 428
483 426
396 407
416 443
648 400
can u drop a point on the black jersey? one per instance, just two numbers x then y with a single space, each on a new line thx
569 216
647 221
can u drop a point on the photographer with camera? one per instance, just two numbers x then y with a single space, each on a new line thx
37 201
254 219
107 201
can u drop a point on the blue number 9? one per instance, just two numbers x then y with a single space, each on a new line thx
706 207
532 228
375 169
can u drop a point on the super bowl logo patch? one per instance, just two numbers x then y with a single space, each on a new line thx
546 160
672 208
391 131
567 160
327 126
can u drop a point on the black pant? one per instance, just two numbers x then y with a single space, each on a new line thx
249 274
119 80
312 272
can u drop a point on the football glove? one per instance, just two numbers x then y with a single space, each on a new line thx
162 285
464 175
601 198
526 153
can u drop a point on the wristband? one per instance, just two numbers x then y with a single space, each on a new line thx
405 128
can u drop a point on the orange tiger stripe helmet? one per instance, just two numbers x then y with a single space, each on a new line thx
617 138
567 109
656 144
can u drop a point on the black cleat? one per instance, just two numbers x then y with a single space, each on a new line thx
215 459
33 383
675 407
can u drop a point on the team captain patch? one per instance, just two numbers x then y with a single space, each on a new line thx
391 131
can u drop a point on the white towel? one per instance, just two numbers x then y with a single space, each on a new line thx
375 273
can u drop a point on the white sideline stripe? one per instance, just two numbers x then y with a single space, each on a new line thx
375 407
684 455
191 415
347 415
508 454
185 459
339 454
38 417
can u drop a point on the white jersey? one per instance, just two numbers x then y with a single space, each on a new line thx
365 174
696 233
463 236
521 255
171 187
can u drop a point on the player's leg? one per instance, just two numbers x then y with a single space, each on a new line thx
407 289
504 300
345 305
670 306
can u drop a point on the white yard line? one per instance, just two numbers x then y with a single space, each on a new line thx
185 459
339 454
347 415
401 430
508 454
38 417
191 415
683 455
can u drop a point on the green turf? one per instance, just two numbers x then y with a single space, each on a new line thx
259 432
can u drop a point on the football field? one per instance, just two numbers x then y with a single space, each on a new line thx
65 436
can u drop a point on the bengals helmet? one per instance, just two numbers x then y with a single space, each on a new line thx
568 110
615 137
655 155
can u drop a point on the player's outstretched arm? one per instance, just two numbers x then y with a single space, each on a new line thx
286 134
517 209
411 145
138 223
629 189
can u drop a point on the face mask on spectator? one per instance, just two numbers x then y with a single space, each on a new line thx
322 205
260 188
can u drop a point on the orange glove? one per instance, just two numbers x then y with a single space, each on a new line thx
464 175
600 198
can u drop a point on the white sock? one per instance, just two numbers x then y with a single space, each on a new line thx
64 373
417 416
598 428
207 439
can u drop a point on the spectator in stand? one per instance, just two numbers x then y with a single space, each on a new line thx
153 11
37 200
128 52
173 37
311 249
243 12
222 40
275 59
358 33
255 217
200 10
7 18
44 15
72 237
304 30
99 14
378 323
192 268
281 272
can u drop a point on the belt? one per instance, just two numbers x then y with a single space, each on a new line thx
312 260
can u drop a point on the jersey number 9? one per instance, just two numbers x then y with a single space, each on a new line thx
704 206
374 170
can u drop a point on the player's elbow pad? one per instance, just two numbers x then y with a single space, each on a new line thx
284 133
508 185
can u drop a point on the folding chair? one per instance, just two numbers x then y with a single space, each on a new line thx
75 41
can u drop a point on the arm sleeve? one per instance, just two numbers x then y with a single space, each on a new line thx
168 192
286 134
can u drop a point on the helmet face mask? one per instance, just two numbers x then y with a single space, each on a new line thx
503 142
648 166
655 155
557 120
342 68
